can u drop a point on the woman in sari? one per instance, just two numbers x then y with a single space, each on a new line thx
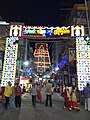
74 100
39 97
67 100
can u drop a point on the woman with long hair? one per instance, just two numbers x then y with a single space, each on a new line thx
67 98
74 100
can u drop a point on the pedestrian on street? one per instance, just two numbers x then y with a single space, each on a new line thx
67 98
49 93
18 94
87 97
34 94
39 96
7 94
12 100
74 102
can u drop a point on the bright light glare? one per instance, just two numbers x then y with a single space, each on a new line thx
57 68
26 63
3 23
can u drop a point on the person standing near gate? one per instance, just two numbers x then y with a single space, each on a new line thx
49 93
87 97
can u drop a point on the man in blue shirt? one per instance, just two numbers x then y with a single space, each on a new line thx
87 97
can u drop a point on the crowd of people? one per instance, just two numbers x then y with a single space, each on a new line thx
12 96
71 100
36 93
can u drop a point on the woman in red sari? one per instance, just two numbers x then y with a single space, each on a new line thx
74 100
67 100
39 97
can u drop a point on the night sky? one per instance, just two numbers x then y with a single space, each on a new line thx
37 12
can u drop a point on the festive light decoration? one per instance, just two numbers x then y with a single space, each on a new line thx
42 58
77 30
15 30
63 61
62 31
36 31
83 61
10 57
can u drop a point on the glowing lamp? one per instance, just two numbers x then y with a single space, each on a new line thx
26 63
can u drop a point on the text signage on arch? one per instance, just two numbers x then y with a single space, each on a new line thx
35 31
43 31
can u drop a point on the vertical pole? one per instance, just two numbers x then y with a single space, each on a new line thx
18 68
19 65
87 17
56 53
68 67
26 43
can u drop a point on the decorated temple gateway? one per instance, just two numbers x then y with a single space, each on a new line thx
19 34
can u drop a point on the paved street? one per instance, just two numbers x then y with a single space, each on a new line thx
40 112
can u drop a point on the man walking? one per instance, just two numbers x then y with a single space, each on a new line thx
34 94
7 94
87 97
18 94
49 93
